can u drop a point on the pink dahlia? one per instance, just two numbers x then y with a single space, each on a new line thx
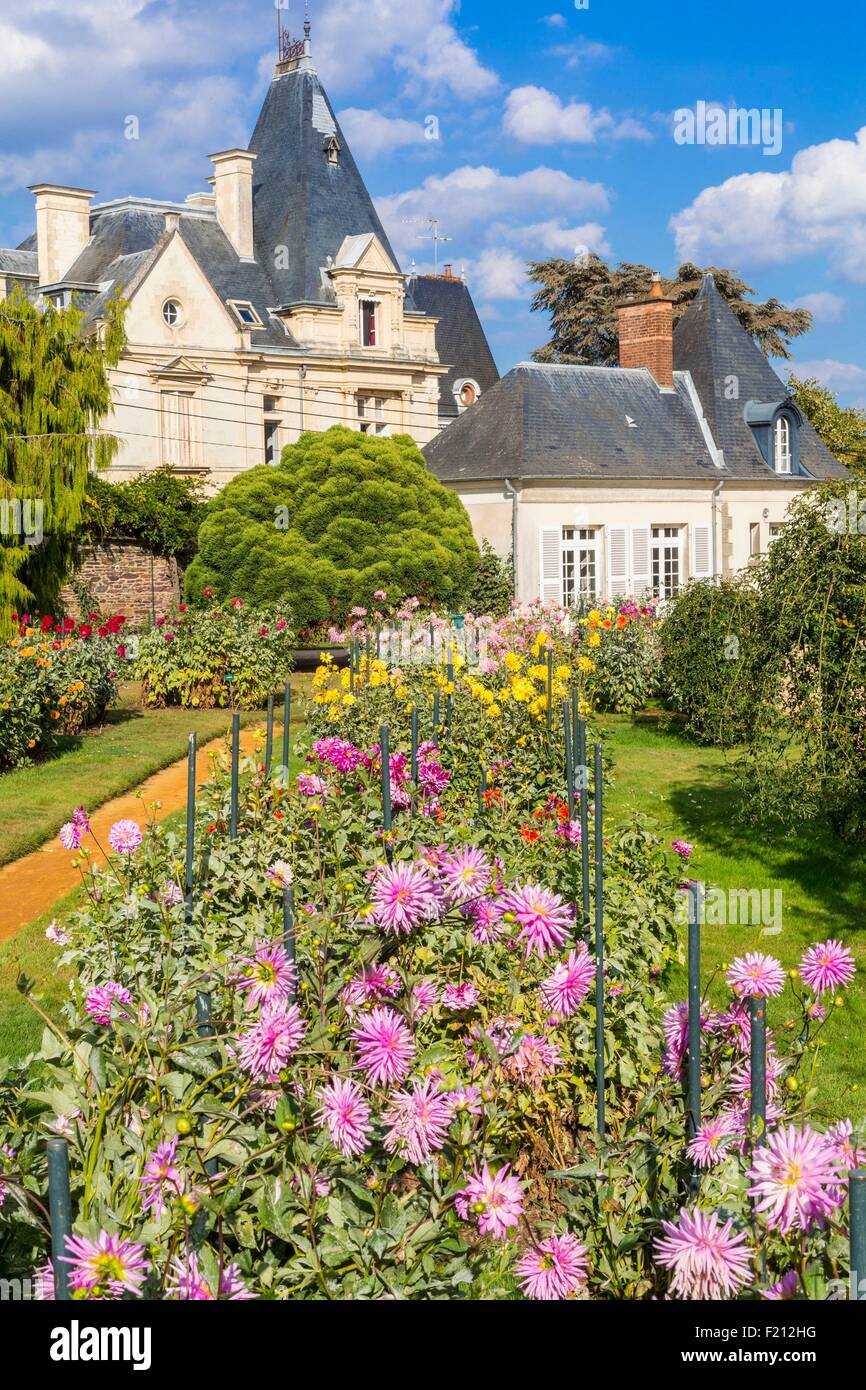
385 1047
185 1280
755 975
125 837
309 784
570 983
171 893
81 820
464 874
495 1200
404 896
280 873
102 998
418 1120
425 993
785 1288
460 997
535 1059
545 921
682 848
109 1265
373 984
43 1291
70 835
827 966
707 1259
161 1174
347 1115
553 1268
710 1144
486 919
264 1051
794 1176
268 976
58 935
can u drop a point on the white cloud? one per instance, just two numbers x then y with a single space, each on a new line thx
370 133
473 198
816 206
498 273
552 239
824 306
839 376
555 21
582 51
535 116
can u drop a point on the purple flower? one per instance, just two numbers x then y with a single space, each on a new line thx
70 835
827 966
102 998
124 837
460 997
682 848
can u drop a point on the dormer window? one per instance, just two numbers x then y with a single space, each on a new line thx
332 150
782 444
245 313
466 392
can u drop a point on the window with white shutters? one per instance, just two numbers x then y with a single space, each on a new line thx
666 561
550 558
702 552
176 428
617 561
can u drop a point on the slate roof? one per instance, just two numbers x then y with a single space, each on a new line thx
301 200
18 262
710 342
548 421
460 339
551 422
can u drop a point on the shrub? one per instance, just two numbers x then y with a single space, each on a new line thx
160 510
710 647
55 679
493 589
625 662
235 655
342 515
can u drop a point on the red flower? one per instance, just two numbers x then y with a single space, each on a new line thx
278 815
160 621
115 624
55 646
263 632
529 835
68 625
181 608
47 622
103 632
121 651
208 591
93 617
237 603
84 630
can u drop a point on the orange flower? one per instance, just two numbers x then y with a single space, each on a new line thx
529 835
55 714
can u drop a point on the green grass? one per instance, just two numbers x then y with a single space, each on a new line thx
692 793
97 766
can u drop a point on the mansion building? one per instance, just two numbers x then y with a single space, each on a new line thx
269 305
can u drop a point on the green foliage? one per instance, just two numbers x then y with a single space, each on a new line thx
342 515
581 298
237 655
493 589
53 386
625 664
843 430
158 509
709 661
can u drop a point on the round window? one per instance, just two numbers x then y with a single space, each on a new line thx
171 312
468 393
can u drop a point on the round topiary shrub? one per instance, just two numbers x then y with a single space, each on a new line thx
342 515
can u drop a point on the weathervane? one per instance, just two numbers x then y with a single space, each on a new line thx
289 49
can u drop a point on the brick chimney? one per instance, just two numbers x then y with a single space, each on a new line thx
646 333
62 228
233 187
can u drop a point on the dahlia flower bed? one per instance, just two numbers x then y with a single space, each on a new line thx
360 1063
233 655
56 677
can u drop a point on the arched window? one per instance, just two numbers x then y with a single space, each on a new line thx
782 444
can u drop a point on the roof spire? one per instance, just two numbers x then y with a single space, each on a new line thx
307 22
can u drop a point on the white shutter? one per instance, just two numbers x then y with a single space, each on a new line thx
617 560
640 560
702 558
550 552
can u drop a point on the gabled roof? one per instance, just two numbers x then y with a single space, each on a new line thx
550 421
305 205
18 262
460 340
712 345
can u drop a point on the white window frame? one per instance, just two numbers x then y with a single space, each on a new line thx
782 451
580 549
238 305
666 539
775 530
371 414
172 303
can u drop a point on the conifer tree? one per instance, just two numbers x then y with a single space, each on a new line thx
54 393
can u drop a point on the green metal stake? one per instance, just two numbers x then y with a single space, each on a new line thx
449 715
599 944
549 688
369 654
378 641
857 1216
584 822
415 745
269 737
482 788
758 1065
436 718
190 826
236 753
289 932
203 1014
384 746
287 722
569 760
695 906
351 663
60 1208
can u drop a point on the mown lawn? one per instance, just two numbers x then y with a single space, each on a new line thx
692 793
98 765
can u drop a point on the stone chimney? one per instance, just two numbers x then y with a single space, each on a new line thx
233 186
646 333
62 228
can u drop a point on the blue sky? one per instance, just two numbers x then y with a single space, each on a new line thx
555 133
